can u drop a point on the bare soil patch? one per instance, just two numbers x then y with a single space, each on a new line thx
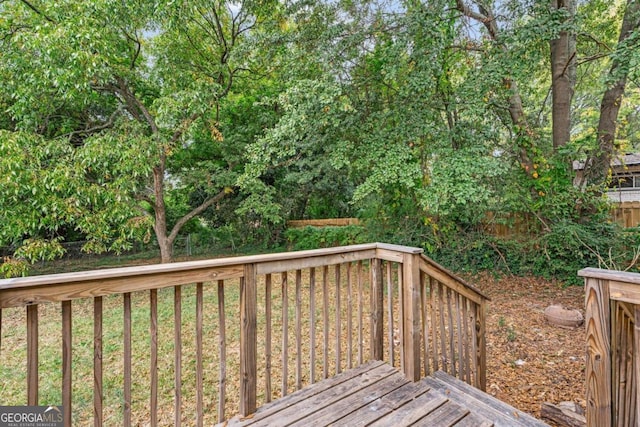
528 360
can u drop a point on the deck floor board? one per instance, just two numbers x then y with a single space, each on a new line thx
375 394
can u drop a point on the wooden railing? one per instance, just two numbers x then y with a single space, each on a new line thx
613 347
196 342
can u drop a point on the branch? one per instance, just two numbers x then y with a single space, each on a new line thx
35 9
197 211
184 125
97 128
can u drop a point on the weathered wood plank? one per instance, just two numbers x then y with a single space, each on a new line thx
330 396
319 261
349 318
385 404
325 322
392 360
274 407
411 316
222 344
177 356
66 361
480 402
126 302
104 285
598 365
377 311
32 355
351 403
312 324
298 329
199 352
285 333
153 332
268 337
248 341
412 411
97 362
445 415
338 319
360 314
474 420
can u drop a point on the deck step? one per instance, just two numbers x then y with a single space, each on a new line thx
479 402
375 394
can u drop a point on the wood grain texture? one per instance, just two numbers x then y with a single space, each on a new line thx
598 364
32 355
248 340
126 416
177 360
153 360
268 336
97 362
67 342
411 316
222 348
312 325
298 329
377 311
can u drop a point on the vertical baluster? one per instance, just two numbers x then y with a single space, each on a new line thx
312 321
338 320
97 361
402 319
267 341
222 344
425 322
248 340
474 344
392 346
298 330
443 335
66 361
177 336
461 366
349 319
32 354
285 334
465 338
127 359
153 332
360 325
434 314
199 364
325 320
377 311
452 350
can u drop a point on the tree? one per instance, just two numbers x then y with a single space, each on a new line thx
598 165
140 79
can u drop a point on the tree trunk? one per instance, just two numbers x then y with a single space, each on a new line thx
160 209
597 168
563 77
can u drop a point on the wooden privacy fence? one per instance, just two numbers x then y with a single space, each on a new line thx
196 342
613 347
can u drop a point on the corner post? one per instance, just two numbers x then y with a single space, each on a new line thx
377 310
598 366
411 318
248 340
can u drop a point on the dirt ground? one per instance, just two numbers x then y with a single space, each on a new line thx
530 361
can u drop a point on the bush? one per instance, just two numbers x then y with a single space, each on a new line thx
323 237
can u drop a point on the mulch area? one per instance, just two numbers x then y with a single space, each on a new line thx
529 360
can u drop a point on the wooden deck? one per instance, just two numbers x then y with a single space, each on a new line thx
378 395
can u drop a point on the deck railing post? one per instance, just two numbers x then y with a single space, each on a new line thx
377 310
248 340
598 366
411 320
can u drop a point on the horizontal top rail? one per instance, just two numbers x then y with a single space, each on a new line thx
68 286
601 273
